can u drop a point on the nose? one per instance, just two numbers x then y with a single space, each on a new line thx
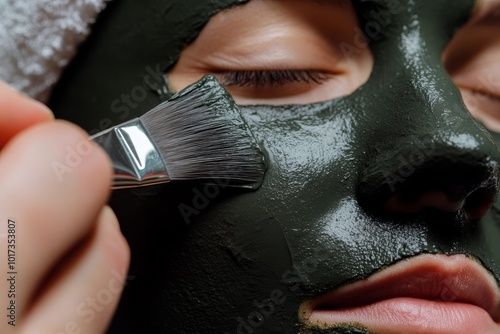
433 176
425 152
428 154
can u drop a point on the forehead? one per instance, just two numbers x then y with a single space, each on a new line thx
467 8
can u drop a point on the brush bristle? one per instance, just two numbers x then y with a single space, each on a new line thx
201 135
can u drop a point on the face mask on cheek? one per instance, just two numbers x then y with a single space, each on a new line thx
354 184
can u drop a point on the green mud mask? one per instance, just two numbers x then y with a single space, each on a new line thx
242 262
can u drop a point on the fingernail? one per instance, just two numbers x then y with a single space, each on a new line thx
113 236
112 221
42 107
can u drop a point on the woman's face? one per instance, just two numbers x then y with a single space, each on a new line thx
374 215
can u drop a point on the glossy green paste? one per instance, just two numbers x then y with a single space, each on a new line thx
247 259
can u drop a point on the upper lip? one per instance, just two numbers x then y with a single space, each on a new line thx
454 278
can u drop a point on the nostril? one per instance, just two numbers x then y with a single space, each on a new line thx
478 203
450 184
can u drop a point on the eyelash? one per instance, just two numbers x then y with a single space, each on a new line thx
274 78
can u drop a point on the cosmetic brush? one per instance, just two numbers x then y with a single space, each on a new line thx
197 135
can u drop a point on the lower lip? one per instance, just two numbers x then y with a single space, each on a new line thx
411 315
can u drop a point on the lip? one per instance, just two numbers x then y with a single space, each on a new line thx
425 294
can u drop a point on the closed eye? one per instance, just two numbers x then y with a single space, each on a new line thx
278 53
271 78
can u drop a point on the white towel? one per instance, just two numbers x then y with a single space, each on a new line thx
38 38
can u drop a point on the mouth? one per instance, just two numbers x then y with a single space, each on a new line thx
436 294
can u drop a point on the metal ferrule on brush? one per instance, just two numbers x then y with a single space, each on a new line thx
136 160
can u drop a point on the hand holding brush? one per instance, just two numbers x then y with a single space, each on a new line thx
58 232
62 231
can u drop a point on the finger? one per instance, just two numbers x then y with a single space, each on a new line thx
18 112
53 184
83 294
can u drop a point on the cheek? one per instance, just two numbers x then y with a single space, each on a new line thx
307 205
311 164
309 174
307 152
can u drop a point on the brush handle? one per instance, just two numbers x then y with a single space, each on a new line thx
136 160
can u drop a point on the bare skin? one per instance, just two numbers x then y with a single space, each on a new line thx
68 244
69 241
306 39
233 41
472 60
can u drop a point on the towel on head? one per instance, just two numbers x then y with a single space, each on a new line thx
38 38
